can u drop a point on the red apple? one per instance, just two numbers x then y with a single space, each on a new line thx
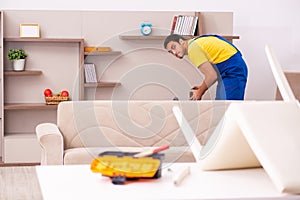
48 92
64 93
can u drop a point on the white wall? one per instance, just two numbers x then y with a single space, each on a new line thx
257 22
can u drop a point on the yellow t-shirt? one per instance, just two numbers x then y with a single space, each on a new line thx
209 48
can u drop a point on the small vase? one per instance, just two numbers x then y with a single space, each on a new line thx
19 65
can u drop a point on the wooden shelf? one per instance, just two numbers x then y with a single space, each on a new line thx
230 37
103 53
141 37
102 84
63 40
162 37
23 73
29 106
16 135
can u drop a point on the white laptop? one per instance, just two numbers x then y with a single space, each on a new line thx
253 134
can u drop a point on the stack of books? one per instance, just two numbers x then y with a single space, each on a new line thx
184 24
90 73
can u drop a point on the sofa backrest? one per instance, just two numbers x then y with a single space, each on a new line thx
134 123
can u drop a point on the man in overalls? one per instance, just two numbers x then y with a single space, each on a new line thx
218 60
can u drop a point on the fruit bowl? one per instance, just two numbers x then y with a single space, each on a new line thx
55 99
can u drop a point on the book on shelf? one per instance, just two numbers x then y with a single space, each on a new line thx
90 73
184 24
174 24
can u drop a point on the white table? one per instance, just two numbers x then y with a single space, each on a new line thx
78 182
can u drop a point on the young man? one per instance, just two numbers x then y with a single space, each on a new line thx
218 59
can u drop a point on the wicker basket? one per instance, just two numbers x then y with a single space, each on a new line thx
55 99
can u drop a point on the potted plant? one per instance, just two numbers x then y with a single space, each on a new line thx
17 56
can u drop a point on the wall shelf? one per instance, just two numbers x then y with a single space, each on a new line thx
23 73
102 84
29 106
141 37
103 53
162 37
63 40
231 37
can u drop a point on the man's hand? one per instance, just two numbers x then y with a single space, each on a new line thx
197 93
210 78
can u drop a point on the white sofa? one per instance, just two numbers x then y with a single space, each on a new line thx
86 128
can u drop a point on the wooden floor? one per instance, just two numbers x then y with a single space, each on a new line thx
19 183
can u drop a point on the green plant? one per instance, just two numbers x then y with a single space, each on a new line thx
16 54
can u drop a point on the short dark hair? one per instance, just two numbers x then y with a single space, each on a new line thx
174 38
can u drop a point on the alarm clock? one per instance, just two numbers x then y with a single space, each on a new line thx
146 28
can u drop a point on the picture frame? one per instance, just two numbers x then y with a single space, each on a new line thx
29 30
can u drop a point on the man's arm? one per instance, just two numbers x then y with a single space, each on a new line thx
210 78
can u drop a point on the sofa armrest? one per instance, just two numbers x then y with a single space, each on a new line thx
51 142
